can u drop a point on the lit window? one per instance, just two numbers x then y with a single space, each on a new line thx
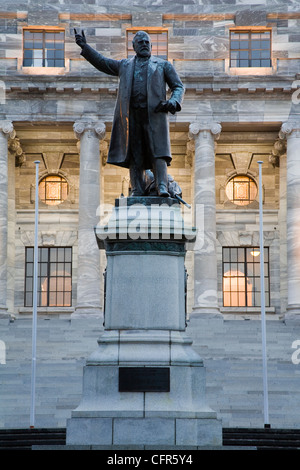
241 190
250 49
159 40
53 190
241 277
44 48
54 277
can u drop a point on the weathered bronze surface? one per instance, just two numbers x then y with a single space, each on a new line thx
140 132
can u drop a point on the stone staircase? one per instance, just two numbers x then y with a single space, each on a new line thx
231 350
233 438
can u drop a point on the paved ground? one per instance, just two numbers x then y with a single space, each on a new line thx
231 350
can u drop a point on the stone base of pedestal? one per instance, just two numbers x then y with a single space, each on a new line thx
124 432
144 387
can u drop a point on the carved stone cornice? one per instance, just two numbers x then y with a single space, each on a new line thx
279 149
15 148
208 126
96 127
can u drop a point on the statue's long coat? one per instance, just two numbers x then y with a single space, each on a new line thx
160 72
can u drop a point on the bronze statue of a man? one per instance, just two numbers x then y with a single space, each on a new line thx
140 132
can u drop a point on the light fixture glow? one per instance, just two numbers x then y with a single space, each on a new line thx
255 252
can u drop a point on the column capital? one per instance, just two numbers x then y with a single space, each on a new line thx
211 126
7 128
288 128
97 127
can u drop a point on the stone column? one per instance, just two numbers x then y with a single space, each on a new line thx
6 131
205 258
89 276
291 131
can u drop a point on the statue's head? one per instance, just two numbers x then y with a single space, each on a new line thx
142 44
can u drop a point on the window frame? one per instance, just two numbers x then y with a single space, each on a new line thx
246 268
62 181
47 276
44 30
235 200
250 31
151 30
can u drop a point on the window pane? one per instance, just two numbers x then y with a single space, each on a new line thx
59 63
37 63
43 45
250 45
54 279
244 55
235 45
241 289
244 44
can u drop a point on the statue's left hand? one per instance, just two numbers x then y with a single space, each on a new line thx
166 106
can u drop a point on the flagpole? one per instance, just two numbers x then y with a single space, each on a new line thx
34 313
263 309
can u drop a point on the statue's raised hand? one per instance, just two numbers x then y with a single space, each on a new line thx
80 38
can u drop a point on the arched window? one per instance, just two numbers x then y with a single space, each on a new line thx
241 190
53 190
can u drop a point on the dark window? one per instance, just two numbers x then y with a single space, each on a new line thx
54 277
250 49
241 277
159 40
44 48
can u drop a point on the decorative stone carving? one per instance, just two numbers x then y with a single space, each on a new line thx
7 128
98 127
211 126
288 128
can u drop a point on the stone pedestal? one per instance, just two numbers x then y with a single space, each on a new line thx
144 385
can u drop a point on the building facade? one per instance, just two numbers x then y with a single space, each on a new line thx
240 66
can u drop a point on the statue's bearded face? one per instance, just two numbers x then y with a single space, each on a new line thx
142 44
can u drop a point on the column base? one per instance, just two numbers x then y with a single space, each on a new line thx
292 314
206 312
87 311
4 313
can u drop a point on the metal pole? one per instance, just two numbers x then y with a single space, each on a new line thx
263 312
35 286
